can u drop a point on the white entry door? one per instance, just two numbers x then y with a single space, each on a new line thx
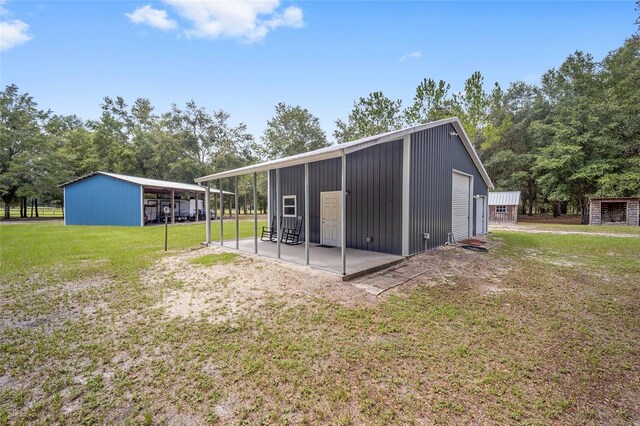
460 206
330 218
481 215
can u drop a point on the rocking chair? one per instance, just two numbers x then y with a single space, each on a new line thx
292 235
271 232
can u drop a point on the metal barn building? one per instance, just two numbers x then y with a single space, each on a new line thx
398 193
102 198
503 206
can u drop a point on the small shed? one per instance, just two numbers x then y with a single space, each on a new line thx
503 206
614 211
103 198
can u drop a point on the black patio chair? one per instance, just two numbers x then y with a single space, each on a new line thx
271 232
292 235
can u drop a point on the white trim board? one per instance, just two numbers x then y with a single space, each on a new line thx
64 205
406 179
142 205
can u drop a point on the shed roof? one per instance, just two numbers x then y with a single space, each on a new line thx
504 198
153 183
338 150
613 198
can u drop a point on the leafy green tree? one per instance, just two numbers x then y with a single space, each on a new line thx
621 81
293 130
511 152
23 147
370 116
430 103
577 148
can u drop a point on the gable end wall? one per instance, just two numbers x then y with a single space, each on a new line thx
435 153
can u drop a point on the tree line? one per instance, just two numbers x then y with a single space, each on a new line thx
573 135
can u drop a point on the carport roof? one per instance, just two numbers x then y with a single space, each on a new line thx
151 183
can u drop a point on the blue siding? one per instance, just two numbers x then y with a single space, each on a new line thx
103 200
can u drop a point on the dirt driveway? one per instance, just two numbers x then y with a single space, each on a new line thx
535 230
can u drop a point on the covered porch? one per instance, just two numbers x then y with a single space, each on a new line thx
358 262
346 212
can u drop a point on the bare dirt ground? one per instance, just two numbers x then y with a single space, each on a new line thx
534 230
451 266
568 219
228 290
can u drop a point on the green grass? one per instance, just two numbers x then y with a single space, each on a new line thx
78 251
558 346
214 259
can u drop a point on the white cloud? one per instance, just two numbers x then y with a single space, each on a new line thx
13 33
248 20
413 55
156 18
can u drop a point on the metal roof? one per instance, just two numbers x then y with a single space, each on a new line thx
505 198
339 150
150 183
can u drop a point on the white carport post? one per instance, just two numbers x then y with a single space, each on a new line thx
207 199
278 230
306 213
197 215
343 230
255 213
221 216
237 217
173 206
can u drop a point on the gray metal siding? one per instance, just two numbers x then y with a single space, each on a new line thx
374 203
291 183
374 200
435 153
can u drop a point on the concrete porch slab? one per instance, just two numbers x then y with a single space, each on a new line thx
359 262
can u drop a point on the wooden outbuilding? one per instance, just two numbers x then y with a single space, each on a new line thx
503 206
614 211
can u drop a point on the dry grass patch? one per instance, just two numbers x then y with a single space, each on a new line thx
498 338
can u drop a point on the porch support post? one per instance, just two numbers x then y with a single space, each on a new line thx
207 199
306 213
237 217
255 212
343 230
278 230
197 199
221 215
406 180
173 206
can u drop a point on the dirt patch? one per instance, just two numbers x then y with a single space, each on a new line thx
570 219
528 230
453 266
222 291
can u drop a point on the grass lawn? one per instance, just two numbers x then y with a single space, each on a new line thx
76 251
83 338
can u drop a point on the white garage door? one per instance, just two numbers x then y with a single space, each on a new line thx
460 206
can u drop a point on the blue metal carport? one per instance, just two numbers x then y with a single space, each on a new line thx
103 198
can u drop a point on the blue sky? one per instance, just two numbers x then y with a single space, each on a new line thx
246 57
